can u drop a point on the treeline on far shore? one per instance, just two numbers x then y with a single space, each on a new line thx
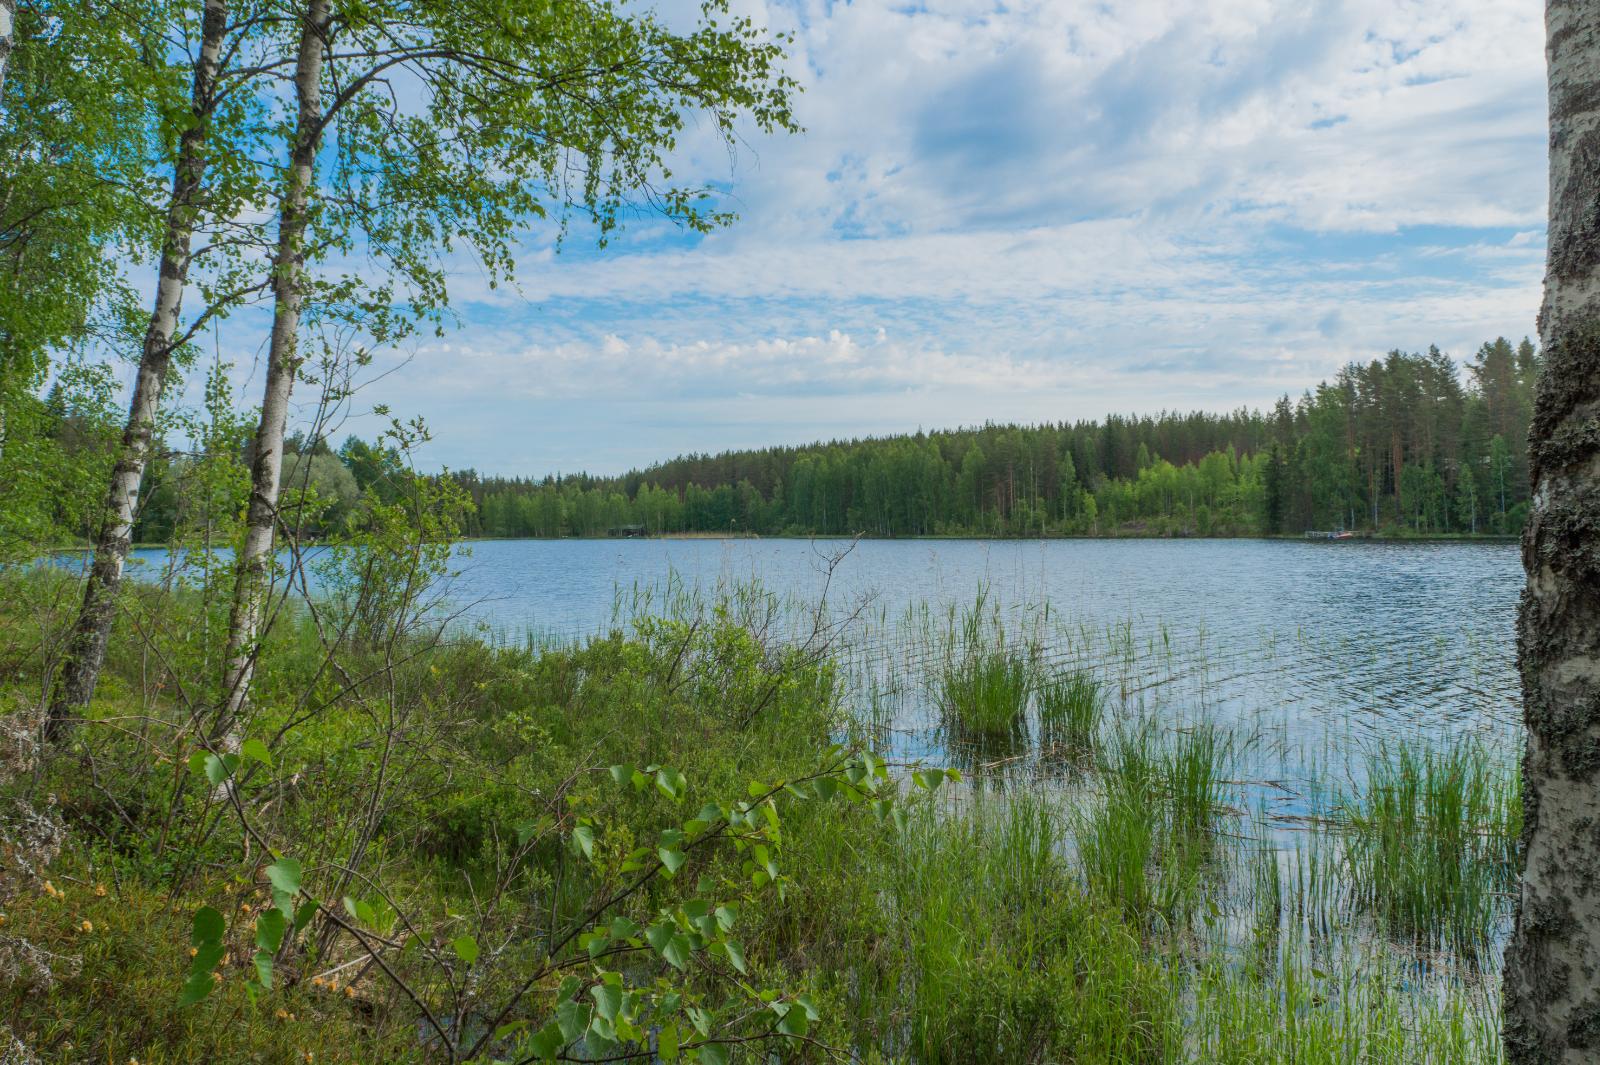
1408 444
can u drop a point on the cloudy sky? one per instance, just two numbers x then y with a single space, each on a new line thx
1031 210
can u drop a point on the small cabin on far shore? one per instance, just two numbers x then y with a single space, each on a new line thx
627 530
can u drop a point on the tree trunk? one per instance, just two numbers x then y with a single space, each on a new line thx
87 649
1552 975
8 23
283 361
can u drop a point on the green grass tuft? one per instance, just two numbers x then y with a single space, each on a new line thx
1070 708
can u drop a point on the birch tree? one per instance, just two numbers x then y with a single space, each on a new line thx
527 111
8 20
1552 974
195 194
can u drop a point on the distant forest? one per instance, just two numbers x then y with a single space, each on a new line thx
1406 444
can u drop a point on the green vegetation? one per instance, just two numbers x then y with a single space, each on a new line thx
1399 446
1070 708
304 816
464 815
1432 848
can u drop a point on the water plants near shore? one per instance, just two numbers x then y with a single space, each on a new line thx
1170 893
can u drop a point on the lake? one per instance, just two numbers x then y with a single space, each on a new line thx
1312 647
1311 658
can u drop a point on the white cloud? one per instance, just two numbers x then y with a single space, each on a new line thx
1036 209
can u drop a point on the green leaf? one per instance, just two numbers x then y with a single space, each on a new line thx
672 858
197 762
573 1017
269 930
713 1054
208 927
257 750
607 1000
794 1022
466 948
583 835
667 1042
263 962
547 1042
197 987
220 769
807 1003
658 936
735 955
678 951
622 774
284 874
726 915
670 782
207 957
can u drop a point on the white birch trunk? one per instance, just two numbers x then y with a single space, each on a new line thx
1552 975
86 651
253 586
8 23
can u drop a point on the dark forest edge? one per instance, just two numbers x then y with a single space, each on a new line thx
1407 446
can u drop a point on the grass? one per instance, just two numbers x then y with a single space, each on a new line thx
983 681
1132 913
1432 840
1071 706
983 698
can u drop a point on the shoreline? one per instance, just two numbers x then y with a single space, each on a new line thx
1429 538
1482 538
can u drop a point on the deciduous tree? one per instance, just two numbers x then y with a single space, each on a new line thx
1552 975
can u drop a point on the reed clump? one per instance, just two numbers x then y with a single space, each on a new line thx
1432 843
1070 707
983 697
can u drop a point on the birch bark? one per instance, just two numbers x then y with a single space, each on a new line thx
1552 974
87 648
283 361
8 22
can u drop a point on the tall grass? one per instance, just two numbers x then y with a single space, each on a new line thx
983 697
1070 707
1432 837
1009 959
1194 767
983 681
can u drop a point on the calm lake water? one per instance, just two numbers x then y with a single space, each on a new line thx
1314 647
1310 656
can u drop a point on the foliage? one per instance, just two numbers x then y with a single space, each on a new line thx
1397 445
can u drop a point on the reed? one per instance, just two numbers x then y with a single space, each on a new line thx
1432 837
1070 707
983 697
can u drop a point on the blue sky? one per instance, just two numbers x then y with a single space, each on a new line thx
1025 211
